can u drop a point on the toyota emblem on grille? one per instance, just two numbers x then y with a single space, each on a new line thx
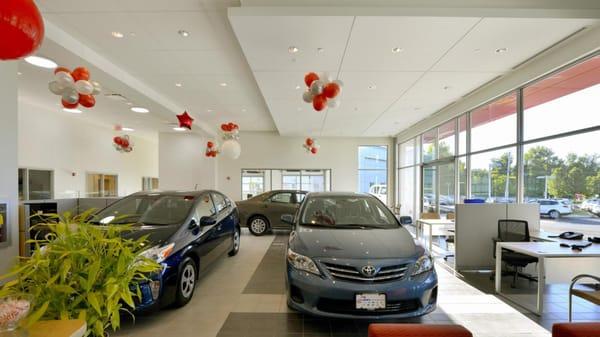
369 270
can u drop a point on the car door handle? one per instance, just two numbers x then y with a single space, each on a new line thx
219 227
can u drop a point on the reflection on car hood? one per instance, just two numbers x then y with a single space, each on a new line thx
353 244
157 235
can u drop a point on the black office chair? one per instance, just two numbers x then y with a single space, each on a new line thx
514 231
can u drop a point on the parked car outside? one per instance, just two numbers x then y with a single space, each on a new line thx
379 191
187 232
596 209
263 212
553 208
587 204
349 257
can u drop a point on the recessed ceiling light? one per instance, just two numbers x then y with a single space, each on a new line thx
178 85
209 110
397 50
298 87
293 50
183 33
41 62
178 128
117 35
320 50
372 87
139 109
74 111
127 129
501 50
223 84
19 73
129 103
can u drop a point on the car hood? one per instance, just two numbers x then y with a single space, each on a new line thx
353 244
157 235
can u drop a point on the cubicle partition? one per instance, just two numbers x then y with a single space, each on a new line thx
477 225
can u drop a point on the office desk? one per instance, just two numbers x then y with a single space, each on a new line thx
431 223
543 251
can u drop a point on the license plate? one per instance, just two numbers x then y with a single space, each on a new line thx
370 301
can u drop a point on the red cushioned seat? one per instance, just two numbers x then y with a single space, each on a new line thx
417 330
576 330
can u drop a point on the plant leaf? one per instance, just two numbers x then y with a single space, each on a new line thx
93 300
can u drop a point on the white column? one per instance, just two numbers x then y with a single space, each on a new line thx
8 161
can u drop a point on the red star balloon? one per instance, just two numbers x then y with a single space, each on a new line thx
185 120
21 28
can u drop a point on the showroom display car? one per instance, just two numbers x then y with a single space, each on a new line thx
263 212
349 257
186 233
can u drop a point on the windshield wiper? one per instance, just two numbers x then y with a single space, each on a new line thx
353 226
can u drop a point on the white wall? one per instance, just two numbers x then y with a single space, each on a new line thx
182 163
271 151
68 144
8 160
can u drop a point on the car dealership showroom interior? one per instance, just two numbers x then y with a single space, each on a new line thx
300 168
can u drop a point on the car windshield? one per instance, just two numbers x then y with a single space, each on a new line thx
147 209
347 212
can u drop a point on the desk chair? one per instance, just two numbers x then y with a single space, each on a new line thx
591 295
450 238
514 231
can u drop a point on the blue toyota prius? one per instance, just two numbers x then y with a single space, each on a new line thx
187 232
349 257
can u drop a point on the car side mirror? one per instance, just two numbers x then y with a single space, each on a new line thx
207 221
288 219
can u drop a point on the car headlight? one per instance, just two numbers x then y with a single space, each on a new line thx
159 253
302 262
423 265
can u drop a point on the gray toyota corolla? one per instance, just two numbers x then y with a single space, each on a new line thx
349 257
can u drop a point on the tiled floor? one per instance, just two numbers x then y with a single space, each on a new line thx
233 300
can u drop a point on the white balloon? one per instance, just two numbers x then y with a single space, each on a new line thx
316 146
84 87
231 148
97 88
56 88
307 96
70 96
64 78
316 88
333 103
326 77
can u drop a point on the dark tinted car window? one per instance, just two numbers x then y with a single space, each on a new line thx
148 209
285 197
347 211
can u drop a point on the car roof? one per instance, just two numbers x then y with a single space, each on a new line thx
292 191
175 192
339 194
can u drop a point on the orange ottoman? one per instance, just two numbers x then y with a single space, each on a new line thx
576 330
417 330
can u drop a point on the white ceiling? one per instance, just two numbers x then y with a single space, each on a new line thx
442 59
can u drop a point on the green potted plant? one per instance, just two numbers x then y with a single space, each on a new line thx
81 270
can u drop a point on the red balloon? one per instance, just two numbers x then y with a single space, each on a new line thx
69 105
117 140
87 101
309 141
21 28
124 142
210 144
309 78
319 102
313 150
331 90
59 69
224 127
81 73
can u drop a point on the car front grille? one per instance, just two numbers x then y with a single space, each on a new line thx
349 307
350 273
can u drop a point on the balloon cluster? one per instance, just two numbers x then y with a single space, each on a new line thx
74 87
322 91
311 145
211 150
21 28
123 144
230 135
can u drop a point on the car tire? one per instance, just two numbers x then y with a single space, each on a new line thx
237 238
554 214
258 225
186 282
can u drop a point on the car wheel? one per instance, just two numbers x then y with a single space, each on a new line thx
554 214
186 282
258 225
236 242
